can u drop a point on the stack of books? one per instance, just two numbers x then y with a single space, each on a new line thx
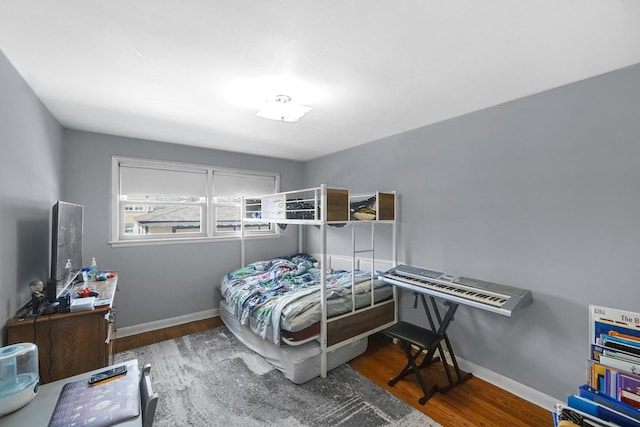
611 395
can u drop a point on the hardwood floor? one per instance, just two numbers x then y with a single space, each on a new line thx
472 403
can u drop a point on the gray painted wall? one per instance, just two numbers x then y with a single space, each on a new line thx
162 281
29 185
540 193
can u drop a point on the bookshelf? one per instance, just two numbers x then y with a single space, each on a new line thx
611 393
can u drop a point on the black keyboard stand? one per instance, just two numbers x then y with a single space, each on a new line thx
427 341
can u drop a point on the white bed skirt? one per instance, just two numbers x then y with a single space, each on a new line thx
299 364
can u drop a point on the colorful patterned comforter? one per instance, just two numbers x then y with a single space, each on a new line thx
284 293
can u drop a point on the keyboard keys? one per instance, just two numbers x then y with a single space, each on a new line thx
458 290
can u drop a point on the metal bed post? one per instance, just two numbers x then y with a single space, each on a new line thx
373 262
394 251
353 267
323 280
243 212
300 240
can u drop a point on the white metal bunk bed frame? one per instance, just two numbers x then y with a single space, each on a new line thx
277 214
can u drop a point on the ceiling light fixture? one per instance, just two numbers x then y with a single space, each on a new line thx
281 108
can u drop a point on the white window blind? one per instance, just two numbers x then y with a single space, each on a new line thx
235 185
157 181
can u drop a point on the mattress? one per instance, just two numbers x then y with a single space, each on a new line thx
297 363
281 297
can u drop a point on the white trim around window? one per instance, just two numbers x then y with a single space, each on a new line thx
159 202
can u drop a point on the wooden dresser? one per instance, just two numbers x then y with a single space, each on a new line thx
71 343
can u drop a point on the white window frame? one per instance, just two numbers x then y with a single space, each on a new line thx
208 231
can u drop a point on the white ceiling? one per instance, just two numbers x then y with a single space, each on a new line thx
195 72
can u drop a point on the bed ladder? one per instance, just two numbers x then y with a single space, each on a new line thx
356 265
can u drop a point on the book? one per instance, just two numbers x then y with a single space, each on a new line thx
565 413
612 404
630 398
629 382
601 412
601 377
621 335
605 320
623 347
615 341
620 339
597 350
619 364
100 405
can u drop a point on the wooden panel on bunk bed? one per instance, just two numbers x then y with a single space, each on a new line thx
337 204
386 206
360 322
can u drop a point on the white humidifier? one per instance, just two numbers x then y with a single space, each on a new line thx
19 376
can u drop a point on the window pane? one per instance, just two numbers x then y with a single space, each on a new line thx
259 227
228 218
228 221
164 219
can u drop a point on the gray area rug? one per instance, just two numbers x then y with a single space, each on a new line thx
212 379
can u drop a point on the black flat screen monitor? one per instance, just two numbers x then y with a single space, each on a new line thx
66 244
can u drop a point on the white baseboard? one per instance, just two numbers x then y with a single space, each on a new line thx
524 392
166 323
527 393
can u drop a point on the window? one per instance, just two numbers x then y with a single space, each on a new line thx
155 201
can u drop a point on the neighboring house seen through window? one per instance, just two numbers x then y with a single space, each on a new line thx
154 201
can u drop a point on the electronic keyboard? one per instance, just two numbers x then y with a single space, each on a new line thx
500 299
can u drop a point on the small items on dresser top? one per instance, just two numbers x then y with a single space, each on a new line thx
87 292
82 304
